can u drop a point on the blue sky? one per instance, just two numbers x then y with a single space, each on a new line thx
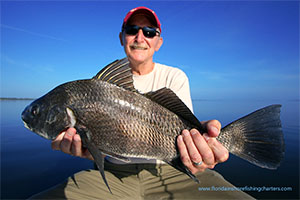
228 49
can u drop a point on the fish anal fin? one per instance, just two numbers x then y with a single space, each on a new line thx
118 157
168 99
117 73
177 164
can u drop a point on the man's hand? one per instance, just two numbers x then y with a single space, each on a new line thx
205 149
69 142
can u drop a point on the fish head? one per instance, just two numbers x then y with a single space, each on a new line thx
46 116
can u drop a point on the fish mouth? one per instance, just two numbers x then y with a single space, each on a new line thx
26 126
42 134
26 116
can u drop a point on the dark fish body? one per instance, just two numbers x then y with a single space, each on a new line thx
123 122
114 119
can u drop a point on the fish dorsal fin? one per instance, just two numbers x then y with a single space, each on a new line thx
168 99
117 73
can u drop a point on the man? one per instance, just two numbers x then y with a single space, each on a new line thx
141 38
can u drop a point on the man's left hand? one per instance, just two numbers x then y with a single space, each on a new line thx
199 152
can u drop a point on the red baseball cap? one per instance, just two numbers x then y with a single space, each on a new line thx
144 11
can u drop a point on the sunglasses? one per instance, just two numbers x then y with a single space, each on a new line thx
148 32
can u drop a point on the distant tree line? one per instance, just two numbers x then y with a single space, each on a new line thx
13 98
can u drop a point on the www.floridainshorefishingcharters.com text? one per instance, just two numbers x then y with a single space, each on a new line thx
246 189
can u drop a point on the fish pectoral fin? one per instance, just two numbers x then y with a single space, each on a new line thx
99 160
74 180
95 152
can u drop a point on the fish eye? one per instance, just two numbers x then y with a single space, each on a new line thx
34 110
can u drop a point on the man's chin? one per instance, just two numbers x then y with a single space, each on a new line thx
137 58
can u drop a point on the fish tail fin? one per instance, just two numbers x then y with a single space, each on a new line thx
177 164
257 137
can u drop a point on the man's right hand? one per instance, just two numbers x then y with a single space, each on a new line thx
69 142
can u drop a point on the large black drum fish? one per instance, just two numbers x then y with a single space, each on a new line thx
114 119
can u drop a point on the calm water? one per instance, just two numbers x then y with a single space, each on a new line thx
28 165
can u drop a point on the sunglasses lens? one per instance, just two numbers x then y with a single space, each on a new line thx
148 32
132 30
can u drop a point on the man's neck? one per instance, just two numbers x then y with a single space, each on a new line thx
142 68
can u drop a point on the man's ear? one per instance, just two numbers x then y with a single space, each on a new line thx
121 38
159 43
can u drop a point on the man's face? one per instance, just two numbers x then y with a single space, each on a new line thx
138 48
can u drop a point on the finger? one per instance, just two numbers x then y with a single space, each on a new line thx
192 150
77 146
66 142
184 156
213 127
221 154
203 148
55 144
